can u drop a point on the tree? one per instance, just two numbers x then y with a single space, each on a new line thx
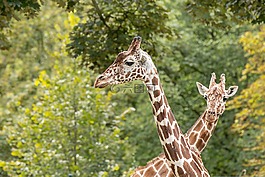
250 103
33 42
109 25
70 128
13 9
8 11
222 13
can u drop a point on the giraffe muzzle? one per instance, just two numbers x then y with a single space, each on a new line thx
101 82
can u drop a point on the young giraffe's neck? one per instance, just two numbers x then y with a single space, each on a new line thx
182 160
200 133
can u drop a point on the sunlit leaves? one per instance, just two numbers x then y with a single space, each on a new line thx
70 128
253 44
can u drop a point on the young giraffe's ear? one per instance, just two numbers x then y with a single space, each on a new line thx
231 91
202 89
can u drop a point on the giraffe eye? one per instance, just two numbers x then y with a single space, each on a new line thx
205 97
129 63
224 98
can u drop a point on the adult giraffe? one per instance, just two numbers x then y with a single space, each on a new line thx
135 64
199 134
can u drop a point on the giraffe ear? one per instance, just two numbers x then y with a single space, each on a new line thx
201 88
231 91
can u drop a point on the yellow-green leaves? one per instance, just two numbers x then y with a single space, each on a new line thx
250 119
253 43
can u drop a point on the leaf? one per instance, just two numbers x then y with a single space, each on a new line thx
16 153
2 163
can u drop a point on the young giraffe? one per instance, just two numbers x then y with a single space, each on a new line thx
216 96
135 64
199 134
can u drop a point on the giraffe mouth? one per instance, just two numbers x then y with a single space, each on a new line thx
212 116
100 82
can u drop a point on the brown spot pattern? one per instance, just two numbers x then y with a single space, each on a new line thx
157 105
209 126
205 135
194 166
172 151
171 117
166 132
185 152
188 169
160 117
152 173
155 81
200 144
193 137
121 57
180 171
156 93
163 171
199 126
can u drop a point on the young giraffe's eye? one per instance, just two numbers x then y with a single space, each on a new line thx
205 97
129 63
224 98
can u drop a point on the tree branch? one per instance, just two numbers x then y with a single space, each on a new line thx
99 12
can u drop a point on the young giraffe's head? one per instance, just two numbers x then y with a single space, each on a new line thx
133 64
216 95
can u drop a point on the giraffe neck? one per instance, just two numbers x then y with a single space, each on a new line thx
182 160
200 133
168 129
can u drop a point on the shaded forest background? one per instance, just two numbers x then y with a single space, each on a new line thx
54 123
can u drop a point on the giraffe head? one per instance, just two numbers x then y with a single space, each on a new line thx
216 95
133 64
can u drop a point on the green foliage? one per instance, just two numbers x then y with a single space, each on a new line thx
219 12
109 27
70 129
36 45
